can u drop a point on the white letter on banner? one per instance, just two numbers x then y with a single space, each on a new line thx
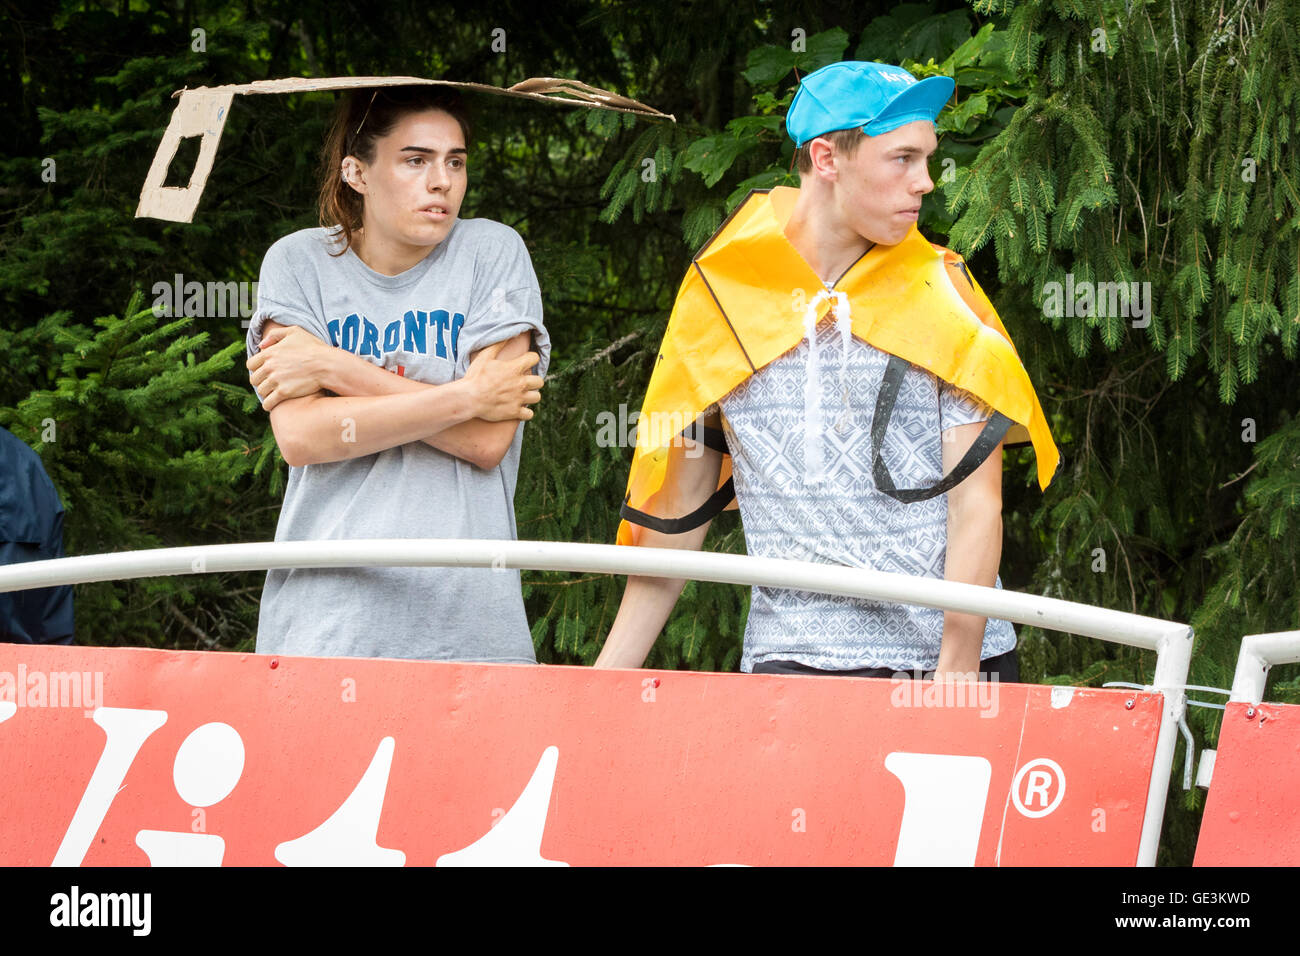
126 730
347 838
207 767
170 848
516 839
943 807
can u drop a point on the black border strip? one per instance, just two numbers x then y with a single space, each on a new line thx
723 313
975 456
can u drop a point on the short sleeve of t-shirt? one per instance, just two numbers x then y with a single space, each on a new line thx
506 300
959 407
281 297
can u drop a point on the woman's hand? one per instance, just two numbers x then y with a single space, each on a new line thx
292 363
502 389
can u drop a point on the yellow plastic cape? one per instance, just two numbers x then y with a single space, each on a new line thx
741 306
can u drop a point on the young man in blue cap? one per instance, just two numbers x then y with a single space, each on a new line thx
862 385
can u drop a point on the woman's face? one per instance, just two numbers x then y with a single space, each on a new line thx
414 186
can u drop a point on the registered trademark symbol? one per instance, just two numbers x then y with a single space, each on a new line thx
1039 784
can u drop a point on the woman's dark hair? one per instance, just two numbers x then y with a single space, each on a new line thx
360 120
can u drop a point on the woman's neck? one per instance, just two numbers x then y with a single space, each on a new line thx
387 257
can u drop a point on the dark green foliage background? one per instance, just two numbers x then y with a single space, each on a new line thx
1107 139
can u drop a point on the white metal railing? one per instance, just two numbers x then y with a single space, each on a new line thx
1258 653
1171 641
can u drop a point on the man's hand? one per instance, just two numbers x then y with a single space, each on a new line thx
292 363
502 389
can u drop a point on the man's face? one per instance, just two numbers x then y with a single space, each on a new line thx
414 187
878 190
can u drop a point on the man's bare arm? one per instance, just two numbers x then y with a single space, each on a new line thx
974 546
293 363
648 601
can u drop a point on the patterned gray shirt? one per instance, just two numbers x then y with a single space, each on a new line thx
844 519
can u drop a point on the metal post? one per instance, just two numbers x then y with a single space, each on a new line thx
1258 653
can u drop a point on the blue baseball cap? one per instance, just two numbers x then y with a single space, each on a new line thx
875 97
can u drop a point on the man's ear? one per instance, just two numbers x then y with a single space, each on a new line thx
822 154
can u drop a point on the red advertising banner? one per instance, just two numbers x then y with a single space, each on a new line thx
1252 813
138 757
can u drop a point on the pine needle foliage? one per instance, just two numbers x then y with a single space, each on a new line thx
1153 149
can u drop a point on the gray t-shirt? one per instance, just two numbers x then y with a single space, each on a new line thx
476 288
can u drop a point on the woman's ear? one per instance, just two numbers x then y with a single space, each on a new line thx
352 174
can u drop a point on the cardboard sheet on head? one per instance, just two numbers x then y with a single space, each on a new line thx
740 307
202 112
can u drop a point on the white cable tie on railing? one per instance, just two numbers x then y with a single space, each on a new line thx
1190 703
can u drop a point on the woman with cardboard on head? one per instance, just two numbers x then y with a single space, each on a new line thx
397 349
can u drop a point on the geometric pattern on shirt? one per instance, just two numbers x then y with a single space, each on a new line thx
845 520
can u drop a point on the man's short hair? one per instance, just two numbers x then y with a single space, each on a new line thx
845 141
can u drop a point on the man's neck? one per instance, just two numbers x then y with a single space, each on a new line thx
826 244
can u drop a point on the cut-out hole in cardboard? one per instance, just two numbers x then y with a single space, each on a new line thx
181 167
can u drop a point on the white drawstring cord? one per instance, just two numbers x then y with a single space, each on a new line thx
814 452
843 322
